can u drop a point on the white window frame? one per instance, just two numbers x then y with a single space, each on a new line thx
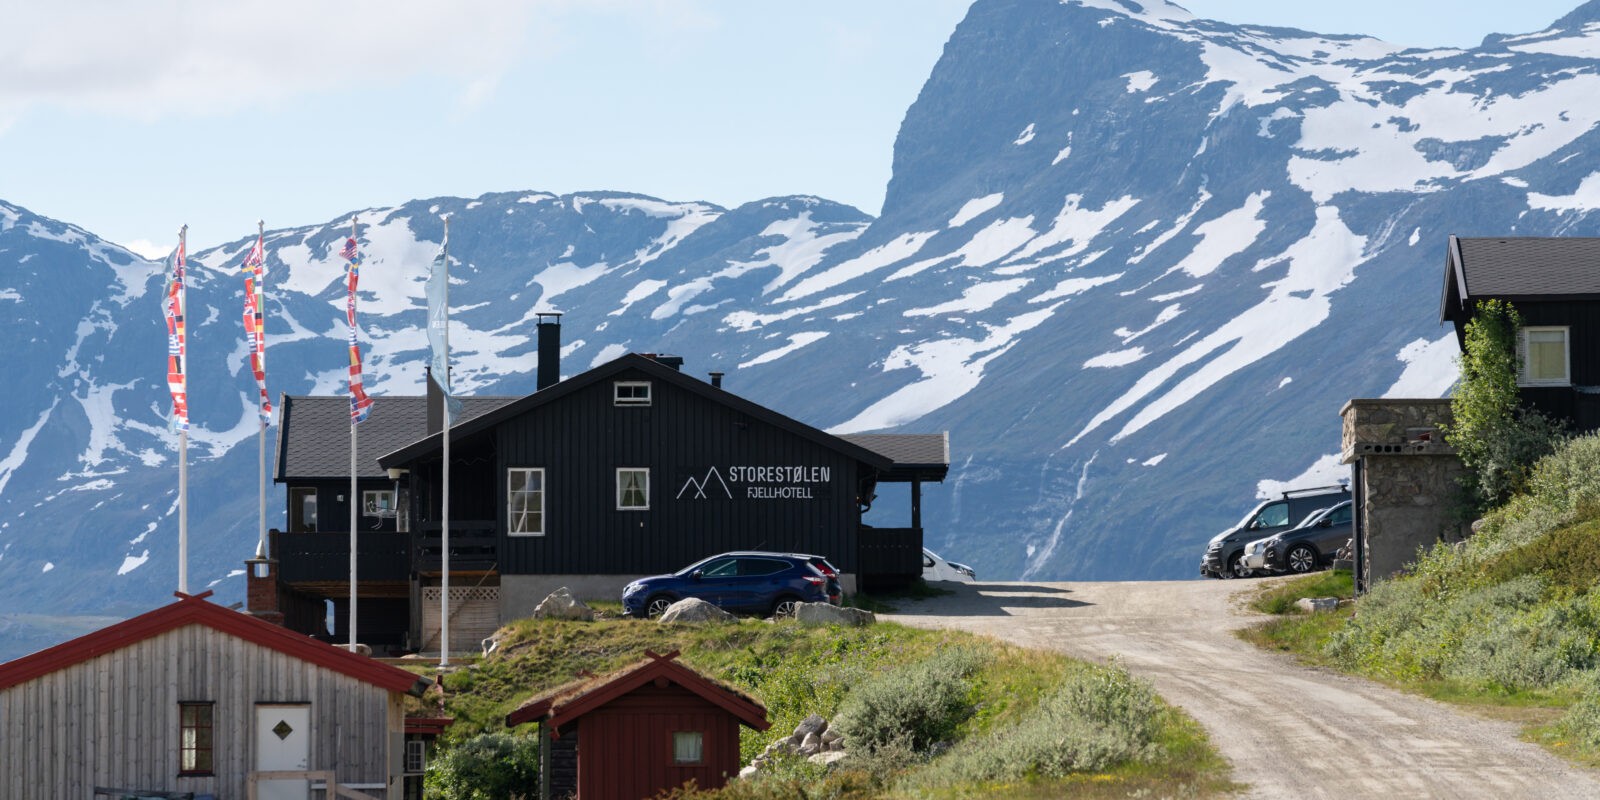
618 399
1523 379
365 506
544 488
416 757
624 507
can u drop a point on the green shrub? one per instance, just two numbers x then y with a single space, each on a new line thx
1497 440
1580 724
911 706
1097 718
489 766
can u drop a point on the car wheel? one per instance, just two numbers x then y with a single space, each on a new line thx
657 606
785 607
1302 559
1235 568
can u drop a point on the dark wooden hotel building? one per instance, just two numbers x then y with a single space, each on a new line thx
632 468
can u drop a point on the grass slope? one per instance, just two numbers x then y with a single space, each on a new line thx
1102 733
1507 622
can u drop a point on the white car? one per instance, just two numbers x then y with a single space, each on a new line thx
1255 556
935 568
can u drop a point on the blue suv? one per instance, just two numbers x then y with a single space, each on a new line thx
749 582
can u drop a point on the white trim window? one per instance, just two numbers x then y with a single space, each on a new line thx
416 756
377 503
630 393
633 489
525 501
1543 356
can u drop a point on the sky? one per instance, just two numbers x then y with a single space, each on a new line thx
133 118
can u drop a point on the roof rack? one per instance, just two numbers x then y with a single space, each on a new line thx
1342 486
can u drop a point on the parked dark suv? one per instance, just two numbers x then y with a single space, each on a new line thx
743 582
1311 546
1221 559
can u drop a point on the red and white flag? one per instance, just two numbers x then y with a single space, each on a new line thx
255 331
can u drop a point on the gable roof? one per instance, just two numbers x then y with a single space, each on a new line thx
310 429
1518 269
924 456
656 371
196 610
572 700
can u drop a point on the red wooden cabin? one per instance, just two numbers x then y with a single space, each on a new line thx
651 726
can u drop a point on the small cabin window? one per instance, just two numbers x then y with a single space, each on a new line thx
525 496
688 747
195 738
631 393
303 510
1543 357
416 756
633 489
378 503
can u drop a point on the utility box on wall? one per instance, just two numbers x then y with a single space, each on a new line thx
1405 481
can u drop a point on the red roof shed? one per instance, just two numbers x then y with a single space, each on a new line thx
651 726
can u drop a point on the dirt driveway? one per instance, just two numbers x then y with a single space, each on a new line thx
1288 730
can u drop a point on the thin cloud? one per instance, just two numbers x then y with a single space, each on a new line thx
148 60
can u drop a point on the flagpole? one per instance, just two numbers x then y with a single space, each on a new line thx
444 593
183 435
354 500
261 435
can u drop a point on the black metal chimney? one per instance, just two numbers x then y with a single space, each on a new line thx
549 348
716 380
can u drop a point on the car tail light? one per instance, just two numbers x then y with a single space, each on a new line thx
816 581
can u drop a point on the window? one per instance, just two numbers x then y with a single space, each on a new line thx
631 393
1273 516
402 519
525 492
194 738
378 503
633 489
720 568
757 567
688 747
303 510
416 756
1542 357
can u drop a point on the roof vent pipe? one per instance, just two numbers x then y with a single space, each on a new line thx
716 380
549 348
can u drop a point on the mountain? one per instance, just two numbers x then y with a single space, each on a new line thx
1134 261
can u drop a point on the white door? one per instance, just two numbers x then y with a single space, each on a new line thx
283 742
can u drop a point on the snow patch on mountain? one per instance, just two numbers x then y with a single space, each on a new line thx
1585 198
975 208
796 341
978 297
131 563
949 367
1327 470
898 249
1318 265
803 247
1223 237
1116 358
1430 368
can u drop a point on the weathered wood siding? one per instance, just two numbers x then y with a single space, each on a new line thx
581 441
113 720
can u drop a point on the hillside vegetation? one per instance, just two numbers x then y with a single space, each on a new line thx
1508 618
925 713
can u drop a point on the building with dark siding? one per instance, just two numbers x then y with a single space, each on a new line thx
632 468
1554 283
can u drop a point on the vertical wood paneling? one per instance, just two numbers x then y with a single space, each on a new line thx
113 720
580 440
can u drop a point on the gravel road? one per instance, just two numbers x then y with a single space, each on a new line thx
1289 731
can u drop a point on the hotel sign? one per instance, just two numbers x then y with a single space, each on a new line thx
766 482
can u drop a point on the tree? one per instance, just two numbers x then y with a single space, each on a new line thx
1498 440
489 766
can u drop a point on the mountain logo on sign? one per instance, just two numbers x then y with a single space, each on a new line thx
701 484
